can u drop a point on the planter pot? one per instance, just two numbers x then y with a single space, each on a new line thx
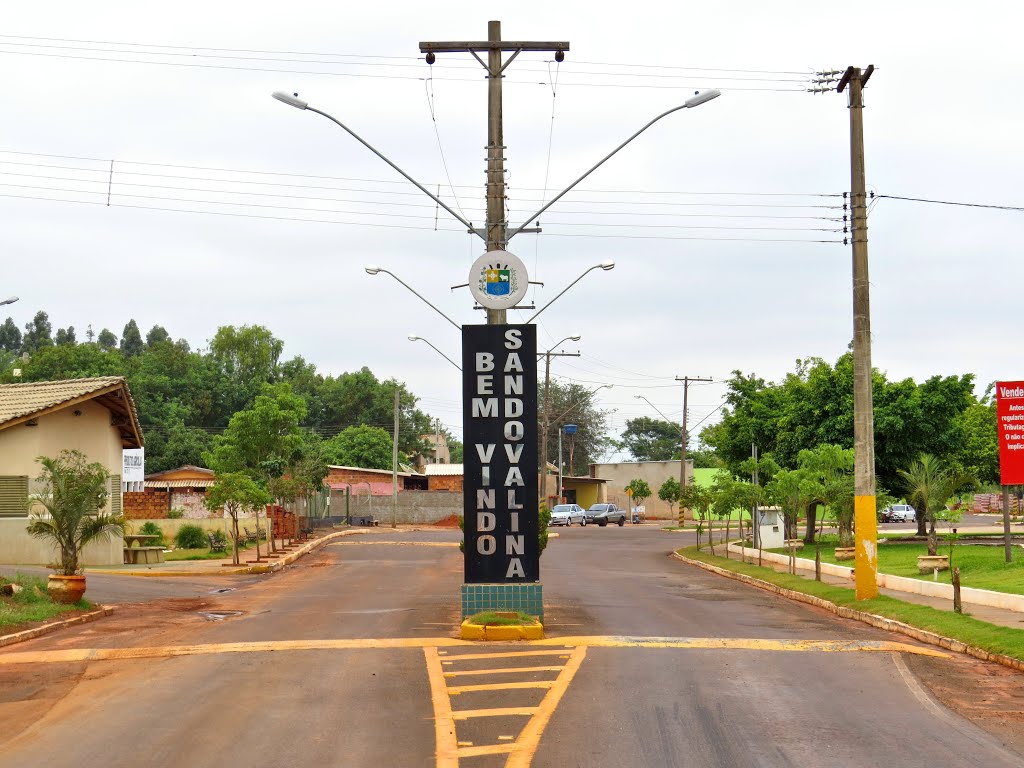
846 553
66 589
928 563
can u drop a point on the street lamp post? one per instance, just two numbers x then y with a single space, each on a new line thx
413 337
545 424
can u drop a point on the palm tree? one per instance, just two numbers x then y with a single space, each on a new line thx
929 482
73 493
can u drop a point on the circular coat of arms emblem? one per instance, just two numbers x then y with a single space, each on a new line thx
498 280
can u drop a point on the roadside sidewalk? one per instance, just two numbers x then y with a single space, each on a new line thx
998 616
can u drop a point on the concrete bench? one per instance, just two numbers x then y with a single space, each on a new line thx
143 555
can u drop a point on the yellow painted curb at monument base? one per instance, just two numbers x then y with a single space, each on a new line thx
504 633
923 635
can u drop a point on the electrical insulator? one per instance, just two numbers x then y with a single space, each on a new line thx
559 56
431 58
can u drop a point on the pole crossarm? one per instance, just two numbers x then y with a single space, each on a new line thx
462 46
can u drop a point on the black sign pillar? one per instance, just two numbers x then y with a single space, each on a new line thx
499 379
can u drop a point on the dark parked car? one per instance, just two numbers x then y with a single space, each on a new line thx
602 514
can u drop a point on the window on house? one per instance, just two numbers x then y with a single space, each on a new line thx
13 495
115 494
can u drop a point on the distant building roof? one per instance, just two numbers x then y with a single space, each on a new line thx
403 471
176 470
435 470
27 400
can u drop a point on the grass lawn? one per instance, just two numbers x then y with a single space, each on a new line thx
982 567
202 553
32 604
963 627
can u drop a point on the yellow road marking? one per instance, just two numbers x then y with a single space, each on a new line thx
489 749
529 739
500 671
505 738
444 724
454 690
467 714
116 654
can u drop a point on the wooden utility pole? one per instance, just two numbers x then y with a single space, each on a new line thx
496 227
545 424
865 521
394 468
683 440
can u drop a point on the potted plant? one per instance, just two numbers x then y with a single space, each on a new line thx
72 494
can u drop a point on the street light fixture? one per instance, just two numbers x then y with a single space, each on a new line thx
10 300
373 269
605 265
413 337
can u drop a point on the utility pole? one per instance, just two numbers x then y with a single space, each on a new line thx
545 425
865 522
394 469
682 456
496 227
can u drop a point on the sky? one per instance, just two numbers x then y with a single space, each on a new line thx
146 173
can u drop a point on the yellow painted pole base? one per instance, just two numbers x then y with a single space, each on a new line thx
865 532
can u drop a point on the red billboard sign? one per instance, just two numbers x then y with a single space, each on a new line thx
1010 414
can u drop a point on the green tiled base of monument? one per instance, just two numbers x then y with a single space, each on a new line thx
528 598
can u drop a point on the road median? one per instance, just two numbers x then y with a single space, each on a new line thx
954 632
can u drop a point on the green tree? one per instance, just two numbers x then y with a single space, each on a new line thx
247 358
699 499
362 446
73 491
669 493
72 361
930 482
176 446
235 493
649 439
639 490
131 340
107 340
263 440
10 337
156 335
573 404
978 452
37 334
828 472
66 336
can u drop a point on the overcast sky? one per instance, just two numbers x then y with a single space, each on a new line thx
227 207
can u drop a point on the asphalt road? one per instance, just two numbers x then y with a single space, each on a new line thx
348 659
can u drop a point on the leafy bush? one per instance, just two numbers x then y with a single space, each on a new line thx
191 537
149 528
543 521
175 514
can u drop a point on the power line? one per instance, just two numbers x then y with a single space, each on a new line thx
950 202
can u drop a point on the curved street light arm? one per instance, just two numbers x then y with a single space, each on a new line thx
692 102
409 178
666 418
570 285
414 291
442 354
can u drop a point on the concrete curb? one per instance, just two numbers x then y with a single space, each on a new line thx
891 625
30 634
471 631
269 567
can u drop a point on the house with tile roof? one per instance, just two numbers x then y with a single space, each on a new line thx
96 416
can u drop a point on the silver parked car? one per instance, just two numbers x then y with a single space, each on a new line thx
899 513
567 514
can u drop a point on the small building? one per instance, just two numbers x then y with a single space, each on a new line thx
444 477
376 482
96 416
619 474
585 491
437 452
182 489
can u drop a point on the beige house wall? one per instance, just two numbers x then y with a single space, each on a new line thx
619 475
91 433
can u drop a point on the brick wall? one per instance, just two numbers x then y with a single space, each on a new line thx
148 505
445 483
336 475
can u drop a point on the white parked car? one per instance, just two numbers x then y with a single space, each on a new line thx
567 514
899 513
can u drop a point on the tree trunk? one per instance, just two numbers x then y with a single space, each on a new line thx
728 527
922 520
812 521
711 531
933 539
957 606
234 549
